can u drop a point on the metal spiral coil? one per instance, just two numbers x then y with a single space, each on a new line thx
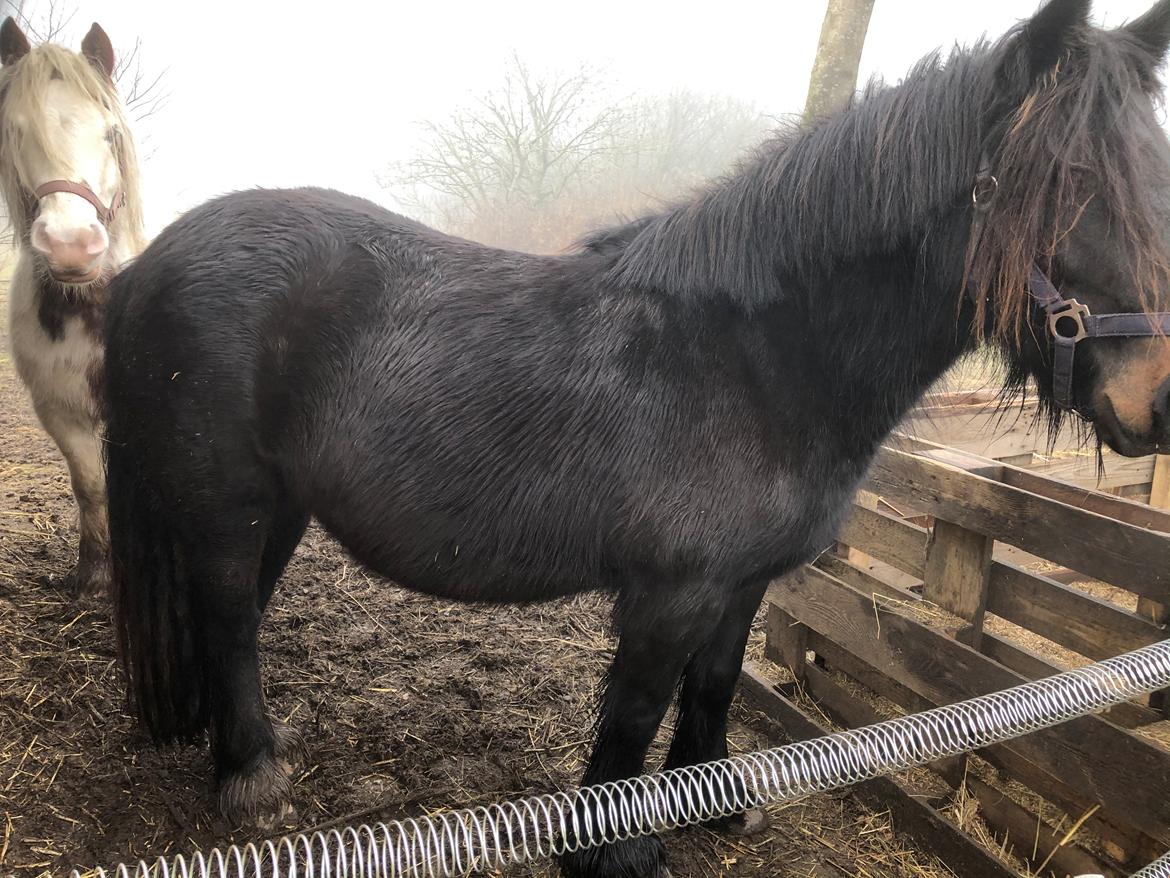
461 842
1160 868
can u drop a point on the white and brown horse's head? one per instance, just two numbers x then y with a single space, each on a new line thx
67 164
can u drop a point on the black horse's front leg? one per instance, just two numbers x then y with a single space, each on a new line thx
657 633
708 685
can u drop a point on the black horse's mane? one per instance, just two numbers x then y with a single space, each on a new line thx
882 174
862 180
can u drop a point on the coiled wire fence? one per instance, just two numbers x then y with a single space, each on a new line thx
461 842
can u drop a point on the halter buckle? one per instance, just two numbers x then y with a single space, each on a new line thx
1069 309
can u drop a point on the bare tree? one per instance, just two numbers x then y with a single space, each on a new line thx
520 148
143 92
834 73
536 159
43 22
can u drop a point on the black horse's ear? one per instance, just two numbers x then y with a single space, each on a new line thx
99 50
14 44
1050 34
1152 31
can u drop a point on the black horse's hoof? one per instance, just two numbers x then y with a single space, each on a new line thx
750 822
637 858
259 796
289 749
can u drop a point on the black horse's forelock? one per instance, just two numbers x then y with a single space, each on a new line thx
1070 140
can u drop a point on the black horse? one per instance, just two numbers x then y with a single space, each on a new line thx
677 412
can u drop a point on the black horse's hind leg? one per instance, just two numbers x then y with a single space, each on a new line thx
657 633
254 756
708 684
287 531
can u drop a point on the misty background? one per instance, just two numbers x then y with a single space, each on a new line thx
437 110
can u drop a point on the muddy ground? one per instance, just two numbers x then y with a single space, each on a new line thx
408 705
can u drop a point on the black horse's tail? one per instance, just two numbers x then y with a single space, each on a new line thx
155 617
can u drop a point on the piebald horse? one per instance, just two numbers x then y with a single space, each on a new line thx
70 179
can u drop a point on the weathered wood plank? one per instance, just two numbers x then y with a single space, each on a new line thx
1032 839
1116 552
1034 667
1082 471
962 853
978 428
887 538
785 641
1087 625
1160 482
853 713
1130 511
1121 474
1127 845
1126 774
865 580
1022 661
836 658
1094 628
1004 815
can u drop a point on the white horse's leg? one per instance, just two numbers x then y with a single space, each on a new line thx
56 362
80 443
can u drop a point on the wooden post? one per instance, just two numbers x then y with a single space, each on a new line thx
1160 485
1159 614
786 640
1156 612
958 561
958 572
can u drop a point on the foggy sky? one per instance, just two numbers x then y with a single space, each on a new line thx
281 94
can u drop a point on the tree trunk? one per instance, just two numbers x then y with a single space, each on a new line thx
834 73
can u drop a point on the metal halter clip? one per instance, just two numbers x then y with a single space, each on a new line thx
1070 309
984 191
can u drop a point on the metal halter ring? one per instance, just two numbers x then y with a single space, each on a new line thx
984 191
1072 310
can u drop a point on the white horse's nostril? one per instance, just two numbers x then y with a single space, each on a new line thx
98 240
39 238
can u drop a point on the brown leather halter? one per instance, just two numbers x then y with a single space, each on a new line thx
105 214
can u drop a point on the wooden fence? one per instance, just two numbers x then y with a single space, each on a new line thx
940 590
970 421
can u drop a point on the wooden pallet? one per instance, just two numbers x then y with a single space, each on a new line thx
939 543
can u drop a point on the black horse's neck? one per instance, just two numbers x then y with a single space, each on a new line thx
873 180
848 240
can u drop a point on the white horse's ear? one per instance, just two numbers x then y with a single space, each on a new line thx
97 48
14 44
